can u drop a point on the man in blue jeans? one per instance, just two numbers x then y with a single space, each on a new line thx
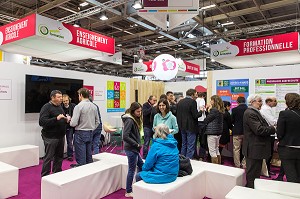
148 123
85 120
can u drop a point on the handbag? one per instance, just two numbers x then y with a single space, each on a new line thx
185 167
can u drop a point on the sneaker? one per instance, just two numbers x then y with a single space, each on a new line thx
74 165
129 195
70 159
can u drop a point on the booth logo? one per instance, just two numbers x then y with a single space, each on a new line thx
43 30
216 53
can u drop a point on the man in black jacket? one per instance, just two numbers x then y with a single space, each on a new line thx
187 119
148 123
238 131
257 140
54 123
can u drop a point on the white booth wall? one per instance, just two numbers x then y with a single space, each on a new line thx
18 128
274 72
183 86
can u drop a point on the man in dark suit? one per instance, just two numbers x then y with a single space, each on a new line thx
238 131
257 140
187 119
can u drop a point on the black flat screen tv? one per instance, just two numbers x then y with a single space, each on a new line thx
38 89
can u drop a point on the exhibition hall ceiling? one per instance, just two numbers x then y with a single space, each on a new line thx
217 21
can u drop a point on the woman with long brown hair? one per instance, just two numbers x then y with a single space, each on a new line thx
214 127
133 123
288 133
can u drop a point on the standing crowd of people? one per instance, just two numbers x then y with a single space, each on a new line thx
188 126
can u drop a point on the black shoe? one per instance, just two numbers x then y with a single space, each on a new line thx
70 159
279 178
74 165
272 173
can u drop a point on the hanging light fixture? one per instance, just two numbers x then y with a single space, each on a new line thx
137 5
77 24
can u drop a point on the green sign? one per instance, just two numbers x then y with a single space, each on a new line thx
239 89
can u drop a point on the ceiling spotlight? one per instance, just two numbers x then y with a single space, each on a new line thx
160 37
137 5
77 24
208 7
119 45
84 4
140 60
103 16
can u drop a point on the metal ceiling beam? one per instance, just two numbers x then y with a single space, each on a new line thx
48 6
94 10
232 33
251 10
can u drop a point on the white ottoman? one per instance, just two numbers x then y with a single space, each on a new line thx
283 188
187 187
120 159
20 156
220 179
9 179
247 193
90 181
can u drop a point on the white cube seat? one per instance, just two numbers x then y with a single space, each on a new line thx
239 192
120 159
20 156
90 181
220 179
189 187
279 187
9 179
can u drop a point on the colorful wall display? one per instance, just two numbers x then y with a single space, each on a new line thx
277 88
116 96
230 90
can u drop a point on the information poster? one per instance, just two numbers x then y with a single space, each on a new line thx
116 96
277 88
230 90
5 89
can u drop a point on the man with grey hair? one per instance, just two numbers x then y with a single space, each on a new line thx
54 124
257 140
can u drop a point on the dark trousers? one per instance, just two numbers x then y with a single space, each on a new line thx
268 161
148 134
54 150
69 136
134 161
252 171
290 161
178 138
83 146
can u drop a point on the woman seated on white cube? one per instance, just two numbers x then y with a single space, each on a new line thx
162 162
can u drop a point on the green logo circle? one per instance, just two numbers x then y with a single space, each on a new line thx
216 53
43 30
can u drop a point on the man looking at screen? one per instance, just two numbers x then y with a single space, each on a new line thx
85 120
54 123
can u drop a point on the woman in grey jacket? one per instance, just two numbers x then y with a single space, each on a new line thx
214 127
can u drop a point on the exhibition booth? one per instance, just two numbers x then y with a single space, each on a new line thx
25 88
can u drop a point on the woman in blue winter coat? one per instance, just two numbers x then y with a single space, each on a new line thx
162 163
165 116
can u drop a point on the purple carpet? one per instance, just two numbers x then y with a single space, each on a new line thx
30 181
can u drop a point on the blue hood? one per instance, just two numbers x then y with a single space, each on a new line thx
169 142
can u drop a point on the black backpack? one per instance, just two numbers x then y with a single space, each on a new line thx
185 167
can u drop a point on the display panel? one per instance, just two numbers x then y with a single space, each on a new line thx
38 89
